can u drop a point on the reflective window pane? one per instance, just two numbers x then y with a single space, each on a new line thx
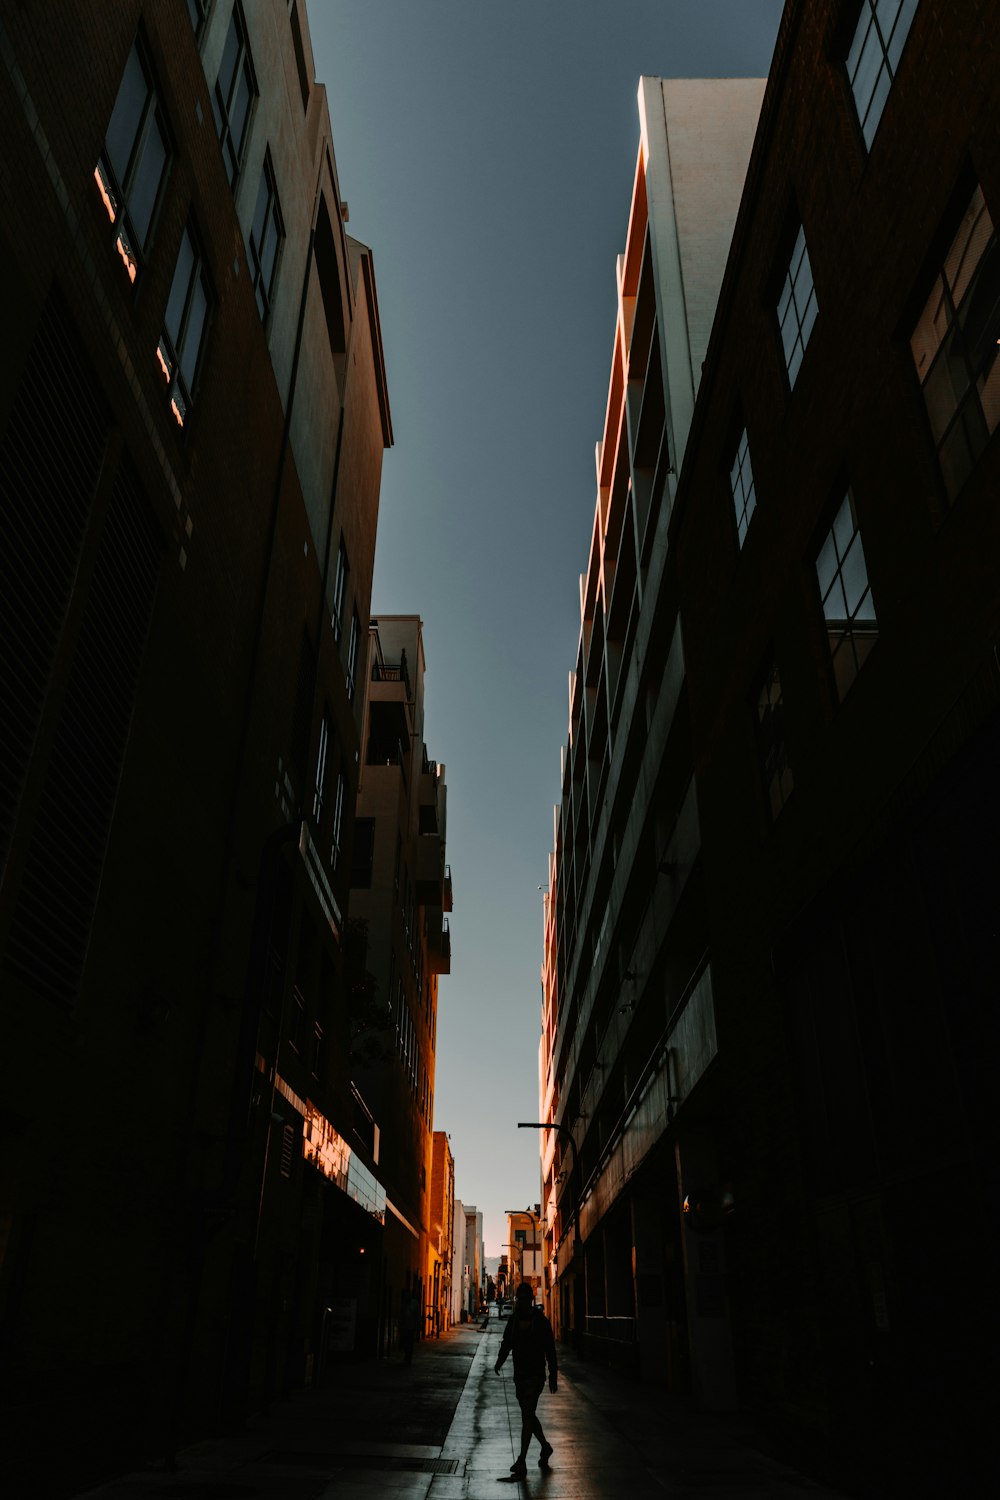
193 332
146 180
179 289
126 117
874 55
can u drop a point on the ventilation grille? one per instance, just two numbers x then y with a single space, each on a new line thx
287 1150
50 458
50 930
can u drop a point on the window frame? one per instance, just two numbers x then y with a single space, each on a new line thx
854 628
170 351
869 27
118 192
353 648
234 157
794 349
745 504
264 295
950 353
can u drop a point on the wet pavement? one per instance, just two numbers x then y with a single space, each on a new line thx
447 1427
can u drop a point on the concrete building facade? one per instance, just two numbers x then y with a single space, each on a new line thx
193 412
629 805
773 1056
400 895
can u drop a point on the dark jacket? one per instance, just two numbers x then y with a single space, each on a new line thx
528 1336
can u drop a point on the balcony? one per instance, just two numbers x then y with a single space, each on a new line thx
439 951
430 869
447 888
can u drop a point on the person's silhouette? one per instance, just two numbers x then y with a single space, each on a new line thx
528 1336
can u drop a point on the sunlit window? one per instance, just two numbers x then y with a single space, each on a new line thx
879 37
848 607
769 723
234 94
741 482
797 306
184 323
266 236
132 166
954 346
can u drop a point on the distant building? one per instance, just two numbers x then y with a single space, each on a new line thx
776 870
193 411
400 894
442 1233
524 1238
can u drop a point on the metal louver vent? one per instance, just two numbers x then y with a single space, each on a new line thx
287 1149
50 930
50 458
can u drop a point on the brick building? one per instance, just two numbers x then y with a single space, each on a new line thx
789 1042
193 412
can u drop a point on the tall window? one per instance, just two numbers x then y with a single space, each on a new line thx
797 306
848 607
319 788
196 10
235 91
133 163
184 322
338 821
955 342
769 717
352 654
339 590
741 481
266 235
882 29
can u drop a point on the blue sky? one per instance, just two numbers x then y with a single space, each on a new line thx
486 150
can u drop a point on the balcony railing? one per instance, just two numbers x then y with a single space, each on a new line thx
384 671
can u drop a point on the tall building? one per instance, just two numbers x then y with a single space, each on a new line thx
441 1249
193 412
628 806
775 1043
401 892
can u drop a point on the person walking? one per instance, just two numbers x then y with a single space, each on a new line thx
528 1336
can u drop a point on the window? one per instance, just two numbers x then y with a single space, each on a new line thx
133 163
339 590
797 306
338 819
741 480
848 607
196 10
882 29
235 91
320 786
266 235
954 346
364 853
352 654
184 323
770 726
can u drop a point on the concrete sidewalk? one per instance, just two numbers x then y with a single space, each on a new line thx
448 1427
